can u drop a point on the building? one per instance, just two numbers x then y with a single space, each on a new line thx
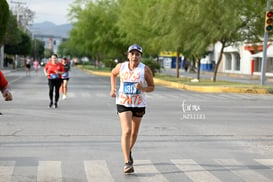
52 42
242 58
168 59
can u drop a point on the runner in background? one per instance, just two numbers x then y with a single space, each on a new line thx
53 71
65 77
36 65
28 66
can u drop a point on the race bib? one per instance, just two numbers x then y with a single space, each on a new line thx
65 75
54 76
129 88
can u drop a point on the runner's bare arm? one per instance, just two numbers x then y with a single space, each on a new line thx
6 93
149 79
45 72
114 75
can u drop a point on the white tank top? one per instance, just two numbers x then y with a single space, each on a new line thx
127 94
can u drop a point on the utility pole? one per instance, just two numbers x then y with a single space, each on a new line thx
18 9
264 60
23 14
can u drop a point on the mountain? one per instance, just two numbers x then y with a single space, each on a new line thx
49 28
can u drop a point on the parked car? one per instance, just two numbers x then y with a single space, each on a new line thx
43 62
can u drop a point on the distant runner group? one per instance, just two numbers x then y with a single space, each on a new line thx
58 76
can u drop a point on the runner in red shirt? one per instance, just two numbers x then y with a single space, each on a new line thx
53 71
4 88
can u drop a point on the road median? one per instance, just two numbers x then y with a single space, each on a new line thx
196 88
210 89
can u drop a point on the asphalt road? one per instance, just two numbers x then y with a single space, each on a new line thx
184 136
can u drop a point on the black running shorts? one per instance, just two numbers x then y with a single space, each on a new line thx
137 111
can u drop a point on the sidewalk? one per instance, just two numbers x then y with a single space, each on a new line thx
7 70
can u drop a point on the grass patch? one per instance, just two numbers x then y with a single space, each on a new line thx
208 82
187 80
94 68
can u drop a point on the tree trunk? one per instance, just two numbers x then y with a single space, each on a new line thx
198 68
177 64
1 56
218 61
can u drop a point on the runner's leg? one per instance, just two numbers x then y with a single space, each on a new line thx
51 87
58 83
126 125
135 128
64 87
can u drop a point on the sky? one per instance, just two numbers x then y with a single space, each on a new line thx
54 11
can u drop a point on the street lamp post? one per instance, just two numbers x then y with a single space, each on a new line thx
35 48
264 60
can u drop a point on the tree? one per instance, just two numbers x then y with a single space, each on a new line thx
136 23
229 22
13 34
26 16
37 49
191 26
79 36
48 53
22 48
162 25
4 18
94 33
102 28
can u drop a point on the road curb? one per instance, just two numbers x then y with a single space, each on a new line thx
205 89
210 89
97 73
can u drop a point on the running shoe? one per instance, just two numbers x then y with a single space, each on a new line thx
128 168
50 105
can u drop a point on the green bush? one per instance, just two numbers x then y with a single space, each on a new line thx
154 66
4 14
270 90
109 63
